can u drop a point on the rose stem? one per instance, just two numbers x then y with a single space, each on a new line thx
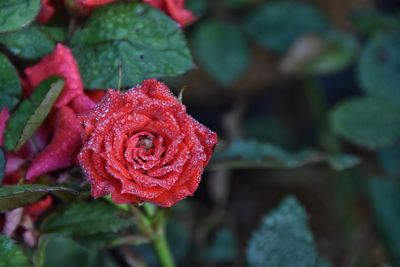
162 250
155 230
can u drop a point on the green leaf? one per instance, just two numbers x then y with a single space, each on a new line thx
244 154
87 218
11 255
16 14
372 21
386 206
367 121
15 196
222 49
198 6
339 50
10 87
222 248
61 250
2 165
31 113
378 68
284 238
277 25
32 42
141 39
389 158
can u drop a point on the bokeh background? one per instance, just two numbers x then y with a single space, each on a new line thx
305 97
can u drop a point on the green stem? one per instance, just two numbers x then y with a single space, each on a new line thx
152 225
162 250
318 106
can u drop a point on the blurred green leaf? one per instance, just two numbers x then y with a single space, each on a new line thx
367 121
32 42
198 6
222 248
15 196
10 87
141 39
339 50
284 238
235 3
277 25
87 219
389 158
385 197
222 49
16 14
11 255
62 251
243 154
372 21
31 113
322 262
378 68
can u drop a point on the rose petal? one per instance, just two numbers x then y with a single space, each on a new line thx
12 221
36 209
46 12
4 116
175 9
82 103
62 148
60 62
94 3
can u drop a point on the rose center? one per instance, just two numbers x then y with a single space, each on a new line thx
146 142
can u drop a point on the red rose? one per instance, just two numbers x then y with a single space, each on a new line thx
142 146
175 9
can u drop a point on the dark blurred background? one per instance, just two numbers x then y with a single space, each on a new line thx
290 87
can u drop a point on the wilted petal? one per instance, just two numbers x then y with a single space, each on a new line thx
59 153
94 3
36 209
13 219
82 103
175 9
60 62
4 116
46 12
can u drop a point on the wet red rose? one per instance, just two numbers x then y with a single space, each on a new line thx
175 9
142 146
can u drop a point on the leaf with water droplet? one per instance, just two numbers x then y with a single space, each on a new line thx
16 14
10 88
141 39
88 218
284 238
11 255
15 196
32 42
